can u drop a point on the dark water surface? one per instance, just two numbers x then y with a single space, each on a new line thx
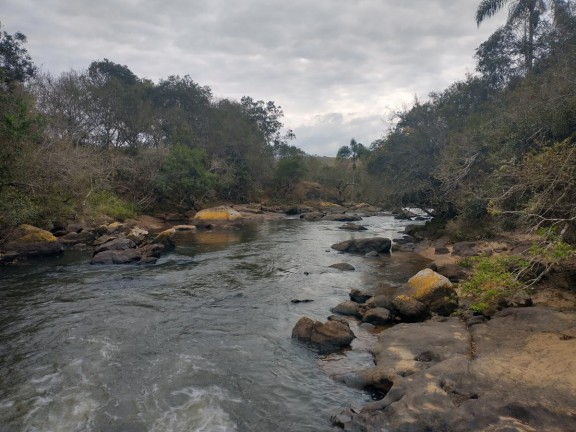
198 342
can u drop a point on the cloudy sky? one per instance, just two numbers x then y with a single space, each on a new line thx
337 68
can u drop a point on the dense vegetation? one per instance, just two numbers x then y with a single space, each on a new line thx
104 142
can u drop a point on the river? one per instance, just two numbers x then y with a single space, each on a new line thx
198 342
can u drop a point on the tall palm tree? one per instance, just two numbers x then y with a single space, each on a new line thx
527 10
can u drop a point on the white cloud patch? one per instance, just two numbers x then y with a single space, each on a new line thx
319 60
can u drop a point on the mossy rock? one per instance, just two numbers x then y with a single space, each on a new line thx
221 213
32 234
433 290
166 238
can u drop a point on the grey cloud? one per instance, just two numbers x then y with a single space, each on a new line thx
315 59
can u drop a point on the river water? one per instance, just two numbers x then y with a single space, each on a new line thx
198 342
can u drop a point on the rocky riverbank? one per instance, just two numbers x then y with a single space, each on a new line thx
440 367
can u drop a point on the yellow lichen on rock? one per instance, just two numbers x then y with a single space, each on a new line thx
427 281
32 234
221 213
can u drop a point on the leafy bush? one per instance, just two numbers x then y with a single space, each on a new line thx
16 208
497 279
105 203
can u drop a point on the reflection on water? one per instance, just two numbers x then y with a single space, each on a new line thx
199 342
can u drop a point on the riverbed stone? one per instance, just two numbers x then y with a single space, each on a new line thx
125 256
365 245
359 296
409 309
119 243
312 216
378 316
329 336
347 308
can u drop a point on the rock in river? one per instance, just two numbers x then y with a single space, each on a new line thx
365 245
329 336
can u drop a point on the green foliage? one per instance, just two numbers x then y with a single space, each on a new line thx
15 62
495 279
184 177
16 208
108 204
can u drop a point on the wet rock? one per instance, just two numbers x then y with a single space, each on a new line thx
378 316
366 245
352 227
328 336
152 250
372 254
441 250
409 309
339 319
126 256
148 260
347 308
367 326
359 296
296 210
295 301
343 266
166 238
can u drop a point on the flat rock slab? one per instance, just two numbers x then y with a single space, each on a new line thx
343 266
516 372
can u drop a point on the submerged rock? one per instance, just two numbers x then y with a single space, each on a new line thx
343 266
352 227
347 308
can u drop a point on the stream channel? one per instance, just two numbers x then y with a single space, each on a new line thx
201 341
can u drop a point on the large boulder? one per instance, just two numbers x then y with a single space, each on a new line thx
329 336
378 316
31 241
74 237
218 214
365 245
433 290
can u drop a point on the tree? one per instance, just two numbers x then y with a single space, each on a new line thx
15 62
353 152
527 11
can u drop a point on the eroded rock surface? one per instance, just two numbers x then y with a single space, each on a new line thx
515 372
329 336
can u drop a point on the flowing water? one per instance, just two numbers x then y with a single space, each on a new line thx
198 342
